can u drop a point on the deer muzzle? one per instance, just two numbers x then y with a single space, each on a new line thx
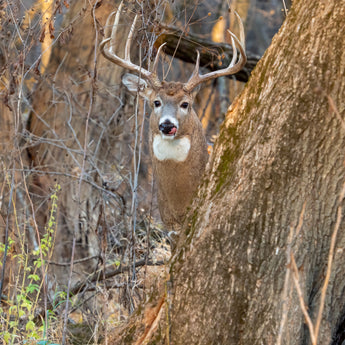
168 128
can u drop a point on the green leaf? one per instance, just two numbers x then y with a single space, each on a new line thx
62 294
32 287
12 310
34 277
30 325
6 336
38 263
13 324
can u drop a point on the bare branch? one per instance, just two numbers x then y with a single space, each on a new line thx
106 47
301 299
110 272
329 264
233 66
213 56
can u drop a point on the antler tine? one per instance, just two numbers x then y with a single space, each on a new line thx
234 51
242 35
155 64
115 25
125 62
195 73
106 34
129 40
107 26
233 67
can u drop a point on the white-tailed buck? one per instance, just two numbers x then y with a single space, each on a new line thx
177 141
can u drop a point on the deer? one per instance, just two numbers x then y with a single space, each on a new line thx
177 140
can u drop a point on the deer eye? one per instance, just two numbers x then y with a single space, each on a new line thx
184 105
157 104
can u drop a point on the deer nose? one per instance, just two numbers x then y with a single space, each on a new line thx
167 127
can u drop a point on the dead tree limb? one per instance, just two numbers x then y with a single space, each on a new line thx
213 56
87 285
111 272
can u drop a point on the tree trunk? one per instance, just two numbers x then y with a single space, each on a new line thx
272 191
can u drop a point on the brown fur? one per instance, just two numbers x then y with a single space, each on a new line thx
177 181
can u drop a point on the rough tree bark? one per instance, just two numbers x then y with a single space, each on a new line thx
278 162
272 191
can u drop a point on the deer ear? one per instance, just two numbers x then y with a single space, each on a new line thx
135 84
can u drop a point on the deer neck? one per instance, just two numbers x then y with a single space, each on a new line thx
175 149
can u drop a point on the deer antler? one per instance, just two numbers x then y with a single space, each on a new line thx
196 78
109 53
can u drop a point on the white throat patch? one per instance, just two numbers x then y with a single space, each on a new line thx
176 149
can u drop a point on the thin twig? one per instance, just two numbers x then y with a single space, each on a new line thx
76 177
6 234
329 265
86 133
110 272
335 110
300 220
43 266
292 234
187 23
74 262
301 299
285 289
285 8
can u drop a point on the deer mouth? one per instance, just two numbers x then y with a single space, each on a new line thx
168 129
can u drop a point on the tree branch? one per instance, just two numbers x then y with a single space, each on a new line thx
98 276
301 299
213 56
329 263
109 272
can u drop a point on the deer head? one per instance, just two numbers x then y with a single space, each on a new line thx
178 144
